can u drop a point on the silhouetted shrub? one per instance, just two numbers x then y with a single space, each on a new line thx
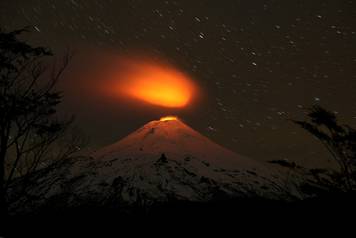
339 140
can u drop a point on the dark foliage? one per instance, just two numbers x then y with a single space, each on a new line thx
230 215
28 102
339 140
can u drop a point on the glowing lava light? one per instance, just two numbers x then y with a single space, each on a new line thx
168 118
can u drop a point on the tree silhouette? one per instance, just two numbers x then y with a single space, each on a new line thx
28 101
339 140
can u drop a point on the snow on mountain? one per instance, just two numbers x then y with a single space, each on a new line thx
162 161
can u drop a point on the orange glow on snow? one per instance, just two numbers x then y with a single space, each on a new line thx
168 118
156 83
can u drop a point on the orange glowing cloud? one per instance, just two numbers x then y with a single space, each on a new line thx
155 83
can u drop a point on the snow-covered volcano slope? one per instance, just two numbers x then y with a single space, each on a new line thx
176 141
161 161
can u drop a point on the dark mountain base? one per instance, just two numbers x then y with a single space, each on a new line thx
241 214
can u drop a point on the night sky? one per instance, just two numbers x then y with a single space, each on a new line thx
256 62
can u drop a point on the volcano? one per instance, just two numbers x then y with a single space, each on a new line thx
162 161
